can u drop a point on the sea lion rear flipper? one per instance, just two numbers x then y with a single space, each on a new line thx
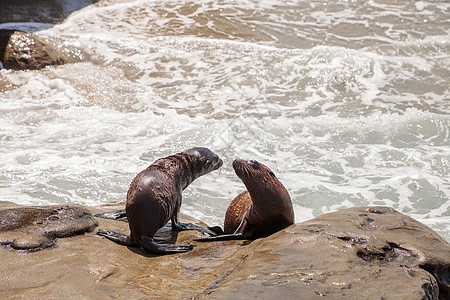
150 245
223 237
117 237
237 235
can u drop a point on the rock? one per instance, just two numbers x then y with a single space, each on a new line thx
30 11
36 228
42 11
21 51
357 253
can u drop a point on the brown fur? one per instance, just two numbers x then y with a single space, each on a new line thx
264 208
235 212
154 198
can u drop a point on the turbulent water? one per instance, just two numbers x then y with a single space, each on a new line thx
347 101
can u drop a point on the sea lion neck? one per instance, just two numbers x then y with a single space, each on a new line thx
197 162
186 172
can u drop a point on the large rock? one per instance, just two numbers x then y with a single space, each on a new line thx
358 253
21 51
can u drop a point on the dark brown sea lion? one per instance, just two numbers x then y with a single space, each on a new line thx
154 198
262 210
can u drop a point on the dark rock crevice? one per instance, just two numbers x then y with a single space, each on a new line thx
392 252
442 275
216 284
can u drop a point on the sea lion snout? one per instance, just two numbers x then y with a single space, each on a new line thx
215 161
208 158
243 168
218 164
238 163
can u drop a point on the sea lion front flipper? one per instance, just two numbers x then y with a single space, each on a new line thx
119 215
223 237
117 237
237 235
189 226
217 229
150 245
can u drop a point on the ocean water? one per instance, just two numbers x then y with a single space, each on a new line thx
348 102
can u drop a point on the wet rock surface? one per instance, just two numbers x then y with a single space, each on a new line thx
22 51
357 253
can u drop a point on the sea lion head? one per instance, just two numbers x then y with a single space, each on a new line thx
204 159
254 174
271 201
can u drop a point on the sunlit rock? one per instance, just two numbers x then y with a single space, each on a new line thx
356 253
22 51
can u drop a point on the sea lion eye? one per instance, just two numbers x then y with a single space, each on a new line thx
254 164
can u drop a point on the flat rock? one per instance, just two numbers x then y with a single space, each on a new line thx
357 253
36 228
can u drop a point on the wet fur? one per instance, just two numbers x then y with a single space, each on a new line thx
154 198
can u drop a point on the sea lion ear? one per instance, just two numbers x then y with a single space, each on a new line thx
272 174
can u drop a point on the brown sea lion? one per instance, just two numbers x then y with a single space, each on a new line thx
263 209
154 198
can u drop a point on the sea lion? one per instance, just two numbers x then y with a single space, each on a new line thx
263 209
154 198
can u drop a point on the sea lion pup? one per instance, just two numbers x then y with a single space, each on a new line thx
263 209
154 197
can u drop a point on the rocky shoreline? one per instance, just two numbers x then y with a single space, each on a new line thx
356 253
